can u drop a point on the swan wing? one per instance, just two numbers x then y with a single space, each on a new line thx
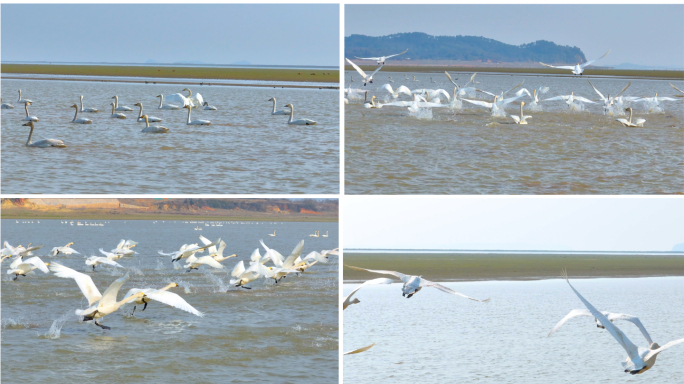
510 100
599 93
472 79
199 99
592 61
427 283
38 263
524 90
624 89
204 240
450 79
633 319
630 348
104 260
210 261
557 98
255 255
35 247
387 88
664 347
382 272
221 247
570 67
640 122
519 85
479 102
542 89
85 283
485 92
121 244
367 58
396 54
109 296
362 73
403 89
239 269
623 121
516 118
289 261
178 98
172 299
584 100
364 349
676 88
376 71
572 314
381 280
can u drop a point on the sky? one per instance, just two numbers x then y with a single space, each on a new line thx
651 35
266 34
513 223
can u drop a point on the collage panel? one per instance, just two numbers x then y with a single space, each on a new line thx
512 290
170 290
456 100
239 99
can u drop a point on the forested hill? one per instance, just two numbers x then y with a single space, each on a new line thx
422 46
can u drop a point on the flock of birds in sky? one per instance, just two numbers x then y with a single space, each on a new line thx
639 359
188 101
423 98
23 262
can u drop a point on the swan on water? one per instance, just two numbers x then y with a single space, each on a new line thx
272 234
381 59
570 100
415 80
364 78
363 349
369 103
639 359
82 120
609 315
390 79
6 105
152 128
111 255
413 284
521 119
326 234
417 103
167 106
45 143
117 107
208 107
116 115
94 261
402 90
162 296
352 79
20 100
578 68
432 81
195 100
299 121
431 94
86 109
28 117
277 112
347 300
27 266
628 123
495 107
608 102
195 122
149 118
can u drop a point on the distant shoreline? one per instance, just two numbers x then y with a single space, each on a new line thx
85 215
479 267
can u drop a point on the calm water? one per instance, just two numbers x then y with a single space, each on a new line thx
467 151
244 150
435 337
273 333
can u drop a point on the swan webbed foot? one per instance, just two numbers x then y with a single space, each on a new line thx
242 286
144 306
409 296
16 277
102 326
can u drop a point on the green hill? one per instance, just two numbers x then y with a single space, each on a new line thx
422 46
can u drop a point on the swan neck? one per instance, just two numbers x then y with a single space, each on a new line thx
630 115
189 110
75 114
26 109
274 105
81 103
116 101
140 115
28 142
291 113
161 100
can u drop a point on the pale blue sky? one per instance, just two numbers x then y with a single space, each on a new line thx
580 224
649 34
264 34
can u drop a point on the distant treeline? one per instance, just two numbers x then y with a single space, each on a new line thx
422 46
253 205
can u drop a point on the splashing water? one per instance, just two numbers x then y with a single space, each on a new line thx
217 281
55 330
421 113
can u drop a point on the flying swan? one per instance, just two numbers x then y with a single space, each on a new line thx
347 300
381 59
163 296
364 78
578 68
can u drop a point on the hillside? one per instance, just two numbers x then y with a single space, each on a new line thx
422 46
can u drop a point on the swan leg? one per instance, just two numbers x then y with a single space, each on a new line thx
15 277
101 326
242 286
145 306
133 313
93 267
409 296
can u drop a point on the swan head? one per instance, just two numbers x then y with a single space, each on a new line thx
29 124
522 103
271 99
74 106
355 301
159 95
138 104
654 346
29 103
81 97
289 105
72 243
205 103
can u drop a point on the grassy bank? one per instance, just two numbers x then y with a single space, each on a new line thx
465 267
262 74
674 75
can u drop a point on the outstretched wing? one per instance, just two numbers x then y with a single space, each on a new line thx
479 102
573 313
85 283
362 73
450 79
396 54
635 321
381 280
376 71
367 58
382 272
364 349
109 296
427 283
624 89
570 67
172 299
599 93
595 60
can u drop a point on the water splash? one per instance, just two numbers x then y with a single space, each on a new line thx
421 113
55 330
218 282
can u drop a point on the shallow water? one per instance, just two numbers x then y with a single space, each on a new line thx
244 150
273 333
436 337
467 151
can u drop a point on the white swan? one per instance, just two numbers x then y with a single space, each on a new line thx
653 103
187 250
472 80
28 117
277 112
195 100
629 123
124 247
86 109
364 78
413 284
369 103
82 120
111 255
117 107
66 250
347 300
244 276
152 128
381 59
45 143
116 115
390 79
414 105
162 296
431 94
208 107
494 106
6 105
609 315
639 360
167 106
20 100
321 256
578 68
217 254
194 262
299 121
326 234
94 261
402 90
286 266
272 234
363 349
608 102
521 119
570 99
351 78
27 266
415 80
149 118
195 122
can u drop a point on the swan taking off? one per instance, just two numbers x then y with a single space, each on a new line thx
193 262
82 120
608 102
521 119
117 107
364 78
162 296
570 100
217 254
639 360
381 59
195 122
208 107
28 117
27 266
578 68
149 118
299 121
116 115
167 106
195 100
65 250
45 143
94 261
86 109
609 315
20 100
402 90
152 128
629 123
653 103
347 300
413 284
277 112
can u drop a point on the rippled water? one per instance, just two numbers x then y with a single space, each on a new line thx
244 150
273 333
438 338
467 151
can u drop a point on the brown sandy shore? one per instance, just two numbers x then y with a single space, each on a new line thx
477 267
